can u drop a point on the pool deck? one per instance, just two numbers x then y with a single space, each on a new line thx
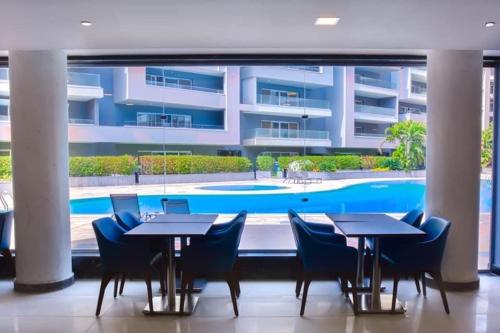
194 188
257 224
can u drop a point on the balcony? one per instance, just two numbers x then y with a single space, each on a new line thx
133 86
159 123
418 90
288 106
298 76
374 113
81 121
369 81
287 138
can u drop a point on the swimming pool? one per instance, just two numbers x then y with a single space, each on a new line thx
242 187
381 196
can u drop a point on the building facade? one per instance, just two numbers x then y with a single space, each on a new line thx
236 110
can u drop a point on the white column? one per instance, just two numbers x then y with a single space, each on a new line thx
453 157
39 122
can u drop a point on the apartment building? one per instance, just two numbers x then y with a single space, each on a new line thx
232 110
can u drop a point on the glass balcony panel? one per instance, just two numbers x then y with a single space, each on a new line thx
378 110
292 101
369 81
84 79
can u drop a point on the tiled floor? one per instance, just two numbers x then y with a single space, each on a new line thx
265 306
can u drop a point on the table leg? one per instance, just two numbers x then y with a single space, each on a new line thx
361 263
375 302
170 305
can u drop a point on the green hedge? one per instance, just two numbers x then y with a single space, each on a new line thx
341 162
153 165
5 167
265 163
101 165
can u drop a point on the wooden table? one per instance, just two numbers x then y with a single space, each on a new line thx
375 226
165 227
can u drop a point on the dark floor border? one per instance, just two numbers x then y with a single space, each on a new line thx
455 286
44 287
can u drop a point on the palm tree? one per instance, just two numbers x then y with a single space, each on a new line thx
410 137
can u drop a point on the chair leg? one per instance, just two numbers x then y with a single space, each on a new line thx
307 282
395 292
8 256
344 287
162 281
439 280
147 279
236 282
104 283
417 283
117 282
231 283
424 285
122 284
300 280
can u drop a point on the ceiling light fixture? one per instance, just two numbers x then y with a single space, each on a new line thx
327 21
86 23
489 24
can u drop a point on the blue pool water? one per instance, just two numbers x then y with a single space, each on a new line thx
242 187
381 196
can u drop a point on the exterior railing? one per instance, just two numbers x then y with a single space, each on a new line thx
368 134
4 117
151 82
378 110
369 81
159 123
81 121
418 90
293 101
4 73
286 134
84 79
316 69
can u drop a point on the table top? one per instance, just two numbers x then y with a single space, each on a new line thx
184 218
377 229
361 217
173 229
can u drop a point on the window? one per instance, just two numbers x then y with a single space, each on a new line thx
159 120
281 129
228 152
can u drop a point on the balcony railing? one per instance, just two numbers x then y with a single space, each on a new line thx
287 134
4 117
81 121
152 82
293 101
369 134
159 123
316 69
418 90
378 110
369 81
84 79
4 73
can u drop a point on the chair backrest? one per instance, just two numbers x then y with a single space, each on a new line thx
413 218
292 215
436 232
5 228
126 202
175 206
127 220
107 233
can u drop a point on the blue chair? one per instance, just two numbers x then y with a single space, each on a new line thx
413 218
121 256
5 232
324 232
215 254
175 206
423 256
126 202
321 258
127 220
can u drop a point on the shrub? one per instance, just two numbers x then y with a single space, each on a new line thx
186 164
372 162
5 167
391 163
265 163
348 162
327 166
341 162
82 166
301 165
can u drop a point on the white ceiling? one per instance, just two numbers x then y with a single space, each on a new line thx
251 26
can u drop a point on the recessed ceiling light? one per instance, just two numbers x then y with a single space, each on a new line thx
326 21
489 24
86 23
